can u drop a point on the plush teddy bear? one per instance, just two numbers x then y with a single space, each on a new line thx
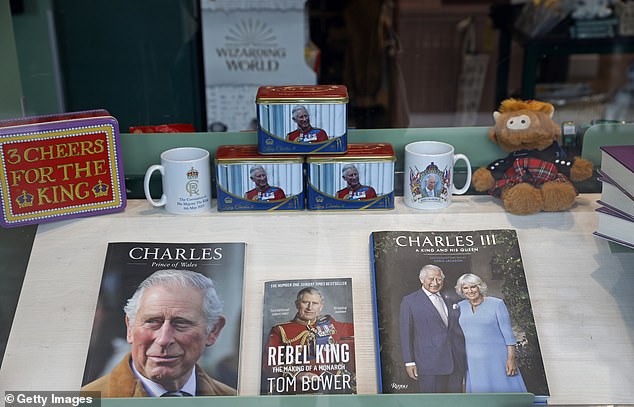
536 175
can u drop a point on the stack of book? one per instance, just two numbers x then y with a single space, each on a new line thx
616 215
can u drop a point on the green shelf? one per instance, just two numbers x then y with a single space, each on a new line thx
385 400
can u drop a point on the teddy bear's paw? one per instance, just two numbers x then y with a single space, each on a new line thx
482 180
523 199
558 196
581 170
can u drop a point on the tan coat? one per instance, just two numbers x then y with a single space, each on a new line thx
121 382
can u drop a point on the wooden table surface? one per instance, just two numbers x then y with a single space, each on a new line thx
581 289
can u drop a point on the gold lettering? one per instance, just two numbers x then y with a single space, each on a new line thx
45 175
46 153
41 175
64 193
27 152
31 175
99 143
60 150
86 148
12 154
82 186
64 168
51 152
16 176
99 167
79 170
72 149
41 196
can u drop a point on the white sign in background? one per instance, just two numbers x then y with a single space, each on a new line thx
247 46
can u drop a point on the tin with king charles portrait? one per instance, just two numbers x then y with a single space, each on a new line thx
361 179
248 181
302 119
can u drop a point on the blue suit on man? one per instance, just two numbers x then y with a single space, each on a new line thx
438 350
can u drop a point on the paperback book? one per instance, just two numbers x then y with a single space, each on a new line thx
187 294
308 337
474 315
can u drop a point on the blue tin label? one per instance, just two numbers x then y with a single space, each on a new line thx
318 128
350 185
260 186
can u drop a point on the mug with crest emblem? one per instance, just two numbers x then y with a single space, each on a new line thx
428 174
186 181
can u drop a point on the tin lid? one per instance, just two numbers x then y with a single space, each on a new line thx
302 94
249 152
56 117
361 151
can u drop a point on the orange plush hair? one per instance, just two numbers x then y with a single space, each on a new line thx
512 105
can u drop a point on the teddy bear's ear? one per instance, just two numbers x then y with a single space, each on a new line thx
493 135
492 131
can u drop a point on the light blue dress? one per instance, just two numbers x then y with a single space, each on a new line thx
487 332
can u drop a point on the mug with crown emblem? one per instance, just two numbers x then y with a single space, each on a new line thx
429 171
186 181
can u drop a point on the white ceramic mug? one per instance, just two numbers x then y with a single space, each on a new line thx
186 180
428 173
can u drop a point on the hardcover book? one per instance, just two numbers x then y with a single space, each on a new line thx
60 166
616 198
453 314
617 162
615 226
123 323
308 337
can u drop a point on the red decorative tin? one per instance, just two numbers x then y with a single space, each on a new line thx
363 178
60 166
302 119
247 180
